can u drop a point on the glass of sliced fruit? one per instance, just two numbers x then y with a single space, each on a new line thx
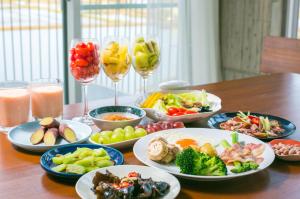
84 66
145 57
116 60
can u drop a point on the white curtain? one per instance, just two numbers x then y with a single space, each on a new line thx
199 46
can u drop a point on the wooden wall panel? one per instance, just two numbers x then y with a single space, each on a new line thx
243 25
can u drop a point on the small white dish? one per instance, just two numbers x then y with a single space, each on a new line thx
215 105
20 135
202 135
173 85
117 145
84 184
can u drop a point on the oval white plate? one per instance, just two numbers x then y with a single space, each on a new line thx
118 145
84 184
20 135
214 101
214 136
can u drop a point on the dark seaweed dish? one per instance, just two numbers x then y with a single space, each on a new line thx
109 186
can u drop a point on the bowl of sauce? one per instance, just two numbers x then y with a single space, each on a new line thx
112 117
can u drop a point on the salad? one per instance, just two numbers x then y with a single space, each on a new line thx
178 104
253 125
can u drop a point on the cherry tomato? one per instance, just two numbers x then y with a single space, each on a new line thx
172 110
182 110
133 174
254 119
81 62
177 114
190 112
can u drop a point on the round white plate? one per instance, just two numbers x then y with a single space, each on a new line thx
202 135
20 135
215 105
118 145
84 184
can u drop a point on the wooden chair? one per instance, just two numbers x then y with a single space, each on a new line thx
280 55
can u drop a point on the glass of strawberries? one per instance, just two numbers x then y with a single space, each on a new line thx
84 66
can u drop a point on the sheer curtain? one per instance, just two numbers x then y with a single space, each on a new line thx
198 41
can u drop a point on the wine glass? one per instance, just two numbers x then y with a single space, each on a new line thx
85 66
116 60
145 57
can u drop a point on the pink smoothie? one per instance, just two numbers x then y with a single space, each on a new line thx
14 107
47 101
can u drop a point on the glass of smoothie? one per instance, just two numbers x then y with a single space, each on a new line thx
46 98
14 104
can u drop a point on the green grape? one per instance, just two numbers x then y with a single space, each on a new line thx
117 137
104 139
119 130
95 136
107 133
129 129
129 133
140 132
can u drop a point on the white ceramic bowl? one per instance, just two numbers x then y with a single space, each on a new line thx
84 184
137 113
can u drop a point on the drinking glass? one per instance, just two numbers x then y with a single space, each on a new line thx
14 104
116 60
85 66
145 57
46 98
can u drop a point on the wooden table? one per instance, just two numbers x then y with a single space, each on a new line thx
22 177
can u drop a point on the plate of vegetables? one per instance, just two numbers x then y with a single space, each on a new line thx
40 136
72 161
262 126
204 154
180 105
128 181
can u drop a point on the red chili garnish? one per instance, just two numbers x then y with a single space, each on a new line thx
133 174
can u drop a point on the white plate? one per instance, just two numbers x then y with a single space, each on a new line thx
214 136
118 145
84 184
20 135
215 105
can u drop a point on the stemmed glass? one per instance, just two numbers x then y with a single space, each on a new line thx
116 60
85 66
145 58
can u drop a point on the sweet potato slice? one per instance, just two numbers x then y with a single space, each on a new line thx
67 133
37 136
49 122
50 136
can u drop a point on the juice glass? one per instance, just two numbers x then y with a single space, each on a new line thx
46 98
14 104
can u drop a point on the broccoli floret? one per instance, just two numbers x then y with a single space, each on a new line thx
192 162
185 160
240 167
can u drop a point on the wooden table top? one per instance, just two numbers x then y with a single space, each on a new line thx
22 177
